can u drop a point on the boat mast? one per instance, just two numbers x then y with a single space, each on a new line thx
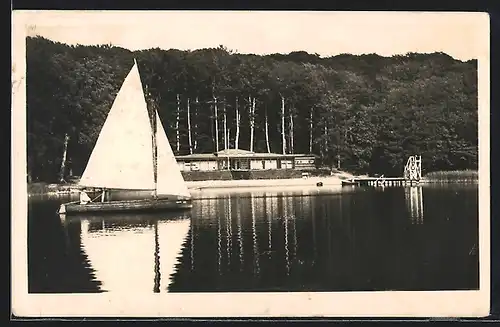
155 148
155 158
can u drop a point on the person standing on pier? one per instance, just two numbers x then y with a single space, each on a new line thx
84 198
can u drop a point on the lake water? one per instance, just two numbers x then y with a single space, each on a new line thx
343 239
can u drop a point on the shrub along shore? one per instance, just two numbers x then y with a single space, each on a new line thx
453 176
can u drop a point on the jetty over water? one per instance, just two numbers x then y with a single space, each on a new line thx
412 176
386 181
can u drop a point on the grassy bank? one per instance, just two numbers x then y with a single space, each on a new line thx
453 176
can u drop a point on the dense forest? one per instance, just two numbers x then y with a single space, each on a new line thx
364 114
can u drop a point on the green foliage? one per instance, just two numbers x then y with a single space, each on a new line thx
369 113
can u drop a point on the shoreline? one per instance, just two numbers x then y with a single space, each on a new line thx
251 184
248 183
197 186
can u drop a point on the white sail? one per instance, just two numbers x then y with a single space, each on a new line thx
169 177
122 157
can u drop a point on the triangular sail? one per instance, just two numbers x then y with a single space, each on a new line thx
122 157
169 177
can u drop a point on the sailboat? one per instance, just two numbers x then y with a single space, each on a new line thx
132 153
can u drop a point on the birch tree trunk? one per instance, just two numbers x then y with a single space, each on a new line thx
63 162
249 101
226 143
311 131
237 136
291 132
177 119
195 145
252 122
325 134
190 137
216 125
267 132
343 147
283 140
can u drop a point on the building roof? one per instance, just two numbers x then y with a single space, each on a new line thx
234 152
239 153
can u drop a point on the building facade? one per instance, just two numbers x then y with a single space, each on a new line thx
236 159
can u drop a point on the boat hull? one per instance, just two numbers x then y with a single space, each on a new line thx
126 206
348 183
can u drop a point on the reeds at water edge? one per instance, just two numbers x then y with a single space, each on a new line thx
452 176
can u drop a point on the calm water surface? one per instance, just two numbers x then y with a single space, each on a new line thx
393 238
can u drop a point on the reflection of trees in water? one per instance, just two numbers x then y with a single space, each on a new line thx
268 214
321 242
245 213
240 233
267 232
283 216
272 210
128 221
327 216
192 235
74 273
309 211
229 230
265 225
254 238
219 249
252 224
415 204
294 227
289 224
96 226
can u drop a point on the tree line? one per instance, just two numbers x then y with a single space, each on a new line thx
364 113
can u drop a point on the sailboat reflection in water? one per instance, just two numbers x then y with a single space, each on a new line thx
133 253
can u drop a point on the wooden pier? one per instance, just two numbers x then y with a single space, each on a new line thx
412 176
380 181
